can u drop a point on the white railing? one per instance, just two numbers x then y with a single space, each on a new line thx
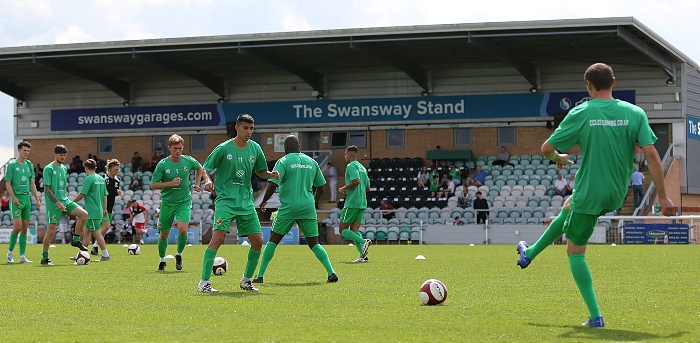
648 200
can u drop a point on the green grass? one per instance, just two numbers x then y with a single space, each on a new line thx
646 293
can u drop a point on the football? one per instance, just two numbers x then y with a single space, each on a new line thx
134 249
83 257
433 292
220 266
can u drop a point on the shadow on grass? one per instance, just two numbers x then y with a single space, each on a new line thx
606 334
234 294
303 284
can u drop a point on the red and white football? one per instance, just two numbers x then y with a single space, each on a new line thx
220 266
433 292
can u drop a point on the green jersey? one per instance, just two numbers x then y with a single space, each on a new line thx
95 190
55 179
606 132
455 174
166 170
234 169
298 174
357 197
20 175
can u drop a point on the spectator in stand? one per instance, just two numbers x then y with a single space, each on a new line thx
637 186
456 175
135 184
478 178
570 184
481 206
560 185
423 178
135 162
5 202
333 181
449 187
434 186
433 174
639 157
152 163
160 150
387 210
458 221
76 166
465 199
101 165
39 183
502 158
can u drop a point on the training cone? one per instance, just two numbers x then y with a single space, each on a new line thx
420 257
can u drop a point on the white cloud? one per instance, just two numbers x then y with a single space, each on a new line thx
293 21
20 10
73 34
6 153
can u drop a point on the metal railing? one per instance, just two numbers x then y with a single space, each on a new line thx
650 196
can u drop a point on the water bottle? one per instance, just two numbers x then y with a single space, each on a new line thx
656 209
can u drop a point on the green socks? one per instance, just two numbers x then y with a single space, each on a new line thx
162 247
355 237
267 256
208 263
253 257
322 256
584 281
44 255
22 243
181 242
554 231
76 238
13 240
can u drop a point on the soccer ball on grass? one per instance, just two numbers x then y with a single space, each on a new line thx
220 266
433 292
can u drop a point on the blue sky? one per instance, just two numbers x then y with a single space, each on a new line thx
37 22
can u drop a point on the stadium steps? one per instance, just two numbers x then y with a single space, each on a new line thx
628 206
325 205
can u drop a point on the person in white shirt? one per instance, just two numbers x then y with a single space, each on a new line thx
570 185
423 178
333 181
560 185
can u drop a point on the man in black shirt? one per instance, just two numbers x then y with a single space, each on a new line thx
481 204
112 182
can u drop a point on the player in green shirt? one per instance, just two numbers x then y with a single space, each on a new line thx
19 181
299 174
95 193
57 202
172 175
606 130
356 187
235 160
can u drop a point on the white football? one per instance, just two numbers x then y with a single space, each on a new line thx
433 292
220 266
82 258
134 249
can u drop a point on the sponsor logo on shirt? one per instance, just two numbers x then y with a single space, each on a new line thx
229 157
604 122
252 159
304 166
240 173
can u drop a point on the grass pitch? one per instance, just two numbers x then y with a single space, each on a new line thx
646 293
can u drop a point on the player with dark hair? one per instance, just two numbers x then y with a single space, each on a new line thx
172 175
19 181
356 187
591 125
95 193
235 160
57 203
299 174
112 182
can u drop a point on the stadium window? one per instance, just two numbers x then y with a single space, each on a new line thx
257 138
105 145
339 140
463 137
358 139
162 139
506 136
198 143
395 138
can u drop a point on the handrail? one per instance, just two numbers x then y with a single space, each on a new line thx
647 202
3 169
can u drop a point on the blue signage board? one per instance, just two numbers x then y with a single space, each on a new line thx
377 110
153 234
291 238
638 233
693 128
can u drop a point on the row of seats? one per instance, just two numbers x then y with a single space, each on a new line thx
391 234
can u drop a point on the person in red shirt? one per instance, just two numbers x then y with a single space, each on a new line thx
5 202
387 210
139 216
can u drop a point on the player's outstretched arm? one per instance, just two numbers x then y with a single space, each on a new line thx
657 175
271 187
351 185
266 174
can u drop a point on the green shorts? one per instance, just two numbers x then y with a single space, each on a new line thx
309 227
578 227
54 216
93 224
352 215
171 212
107 219
247 224
24 210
